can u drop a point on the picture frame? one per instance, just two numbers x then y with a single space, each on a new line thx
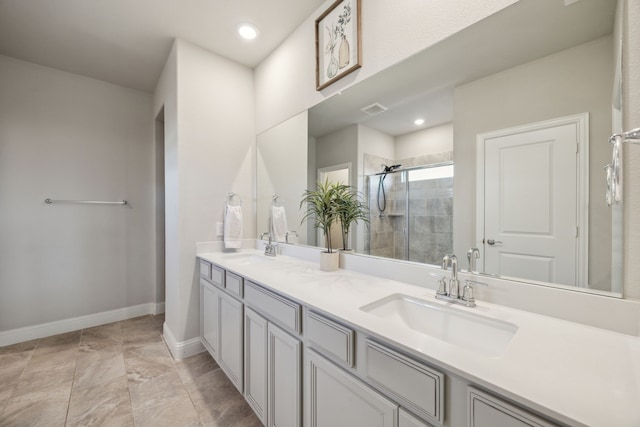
338 42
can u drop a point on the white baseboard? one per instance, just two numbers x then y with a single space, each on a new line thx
42 330
159 308
181 349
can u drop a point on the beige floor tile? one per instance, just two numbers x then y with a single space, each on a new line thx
177 412
107 404
19 348
111 330
141 338
157 391
12 366
42 362
195 366
217 401
147 362
98 367
47 408
159 319
119 374
44 379
56 343
101 337
138 324
140 331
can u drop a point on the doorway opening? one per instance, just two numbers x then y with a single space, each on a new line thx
159 211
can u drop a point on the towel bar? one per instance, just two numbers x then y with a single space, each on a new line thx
85 202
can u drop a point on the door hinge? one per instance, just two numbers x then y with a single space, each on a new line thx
577 231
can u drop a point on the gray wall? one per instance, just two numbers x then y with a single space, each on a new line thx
554 86
64 136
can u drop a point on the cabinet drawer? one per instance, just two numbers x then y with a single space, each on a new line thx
415 386
276 308
217 276
233 283
405 419
329 337
486 410
205 269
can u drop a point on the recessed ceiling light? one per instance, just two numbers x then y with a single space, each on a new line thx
418 122
247 31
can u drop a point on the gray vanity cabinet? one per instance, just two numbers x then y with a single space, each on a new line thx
258 337
209 318
230 356
486 410
339 399
255 362
284 378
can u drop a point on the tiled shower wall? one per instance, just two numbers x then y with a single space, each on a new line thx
430 212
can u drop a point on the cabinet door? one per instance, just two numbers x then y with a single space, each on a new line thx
339 399
284 378
230 352
209 317
255 362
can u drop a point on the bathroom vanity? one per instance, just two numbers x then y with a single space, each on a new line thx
312 348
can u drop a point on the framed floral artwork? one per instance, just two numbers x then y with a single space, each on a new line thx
338 48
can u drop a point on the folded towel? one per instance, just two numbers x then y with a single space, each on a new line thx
232 226
279 223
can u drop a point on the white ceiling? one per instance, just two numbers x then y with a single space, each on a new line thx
126 42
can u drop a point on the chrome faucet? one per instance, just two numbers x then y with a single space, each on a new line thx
270 247
451 293
454 284
473 255
286 236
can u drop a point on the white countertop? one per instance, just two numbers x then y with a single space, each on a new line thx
574 373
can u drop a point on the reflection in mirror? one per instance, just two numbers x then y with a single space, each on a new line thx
534 63
281 177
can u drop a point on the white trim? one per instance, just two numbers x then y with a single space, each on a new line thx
582 129
42 330
159 308
181 349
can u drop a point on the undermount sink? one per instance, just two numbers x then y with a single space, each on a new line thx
471 331
247 259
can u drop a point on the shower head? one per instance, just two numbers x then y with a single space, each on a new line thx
390 168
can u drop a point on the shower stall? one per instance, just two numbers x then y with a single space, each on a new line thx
411 213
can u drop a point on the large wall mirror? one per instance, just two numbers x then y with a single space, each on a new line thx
508 156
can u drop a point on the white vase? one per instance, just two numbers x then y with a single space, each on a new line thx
329 261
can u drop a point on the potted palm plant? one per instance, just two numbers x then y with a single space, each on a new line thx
349 209
321 208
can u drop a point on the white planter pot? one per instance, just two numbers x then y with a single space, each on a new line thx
329 261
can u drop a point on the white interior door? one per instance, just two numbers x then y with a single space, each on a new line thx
531 203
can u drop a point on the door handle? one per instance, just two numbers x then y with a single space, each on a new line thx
492 242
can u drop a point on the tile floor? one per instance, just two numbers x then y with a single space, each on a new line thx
120 374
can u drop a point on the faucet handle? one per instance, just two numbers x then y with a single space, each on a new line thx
473 254
442 286
266 233
467 292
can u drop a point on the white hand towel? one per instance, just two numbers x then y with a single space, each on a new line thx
279 223
232 226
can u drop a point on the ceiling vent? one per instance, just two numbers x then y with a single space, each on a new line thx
374 109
